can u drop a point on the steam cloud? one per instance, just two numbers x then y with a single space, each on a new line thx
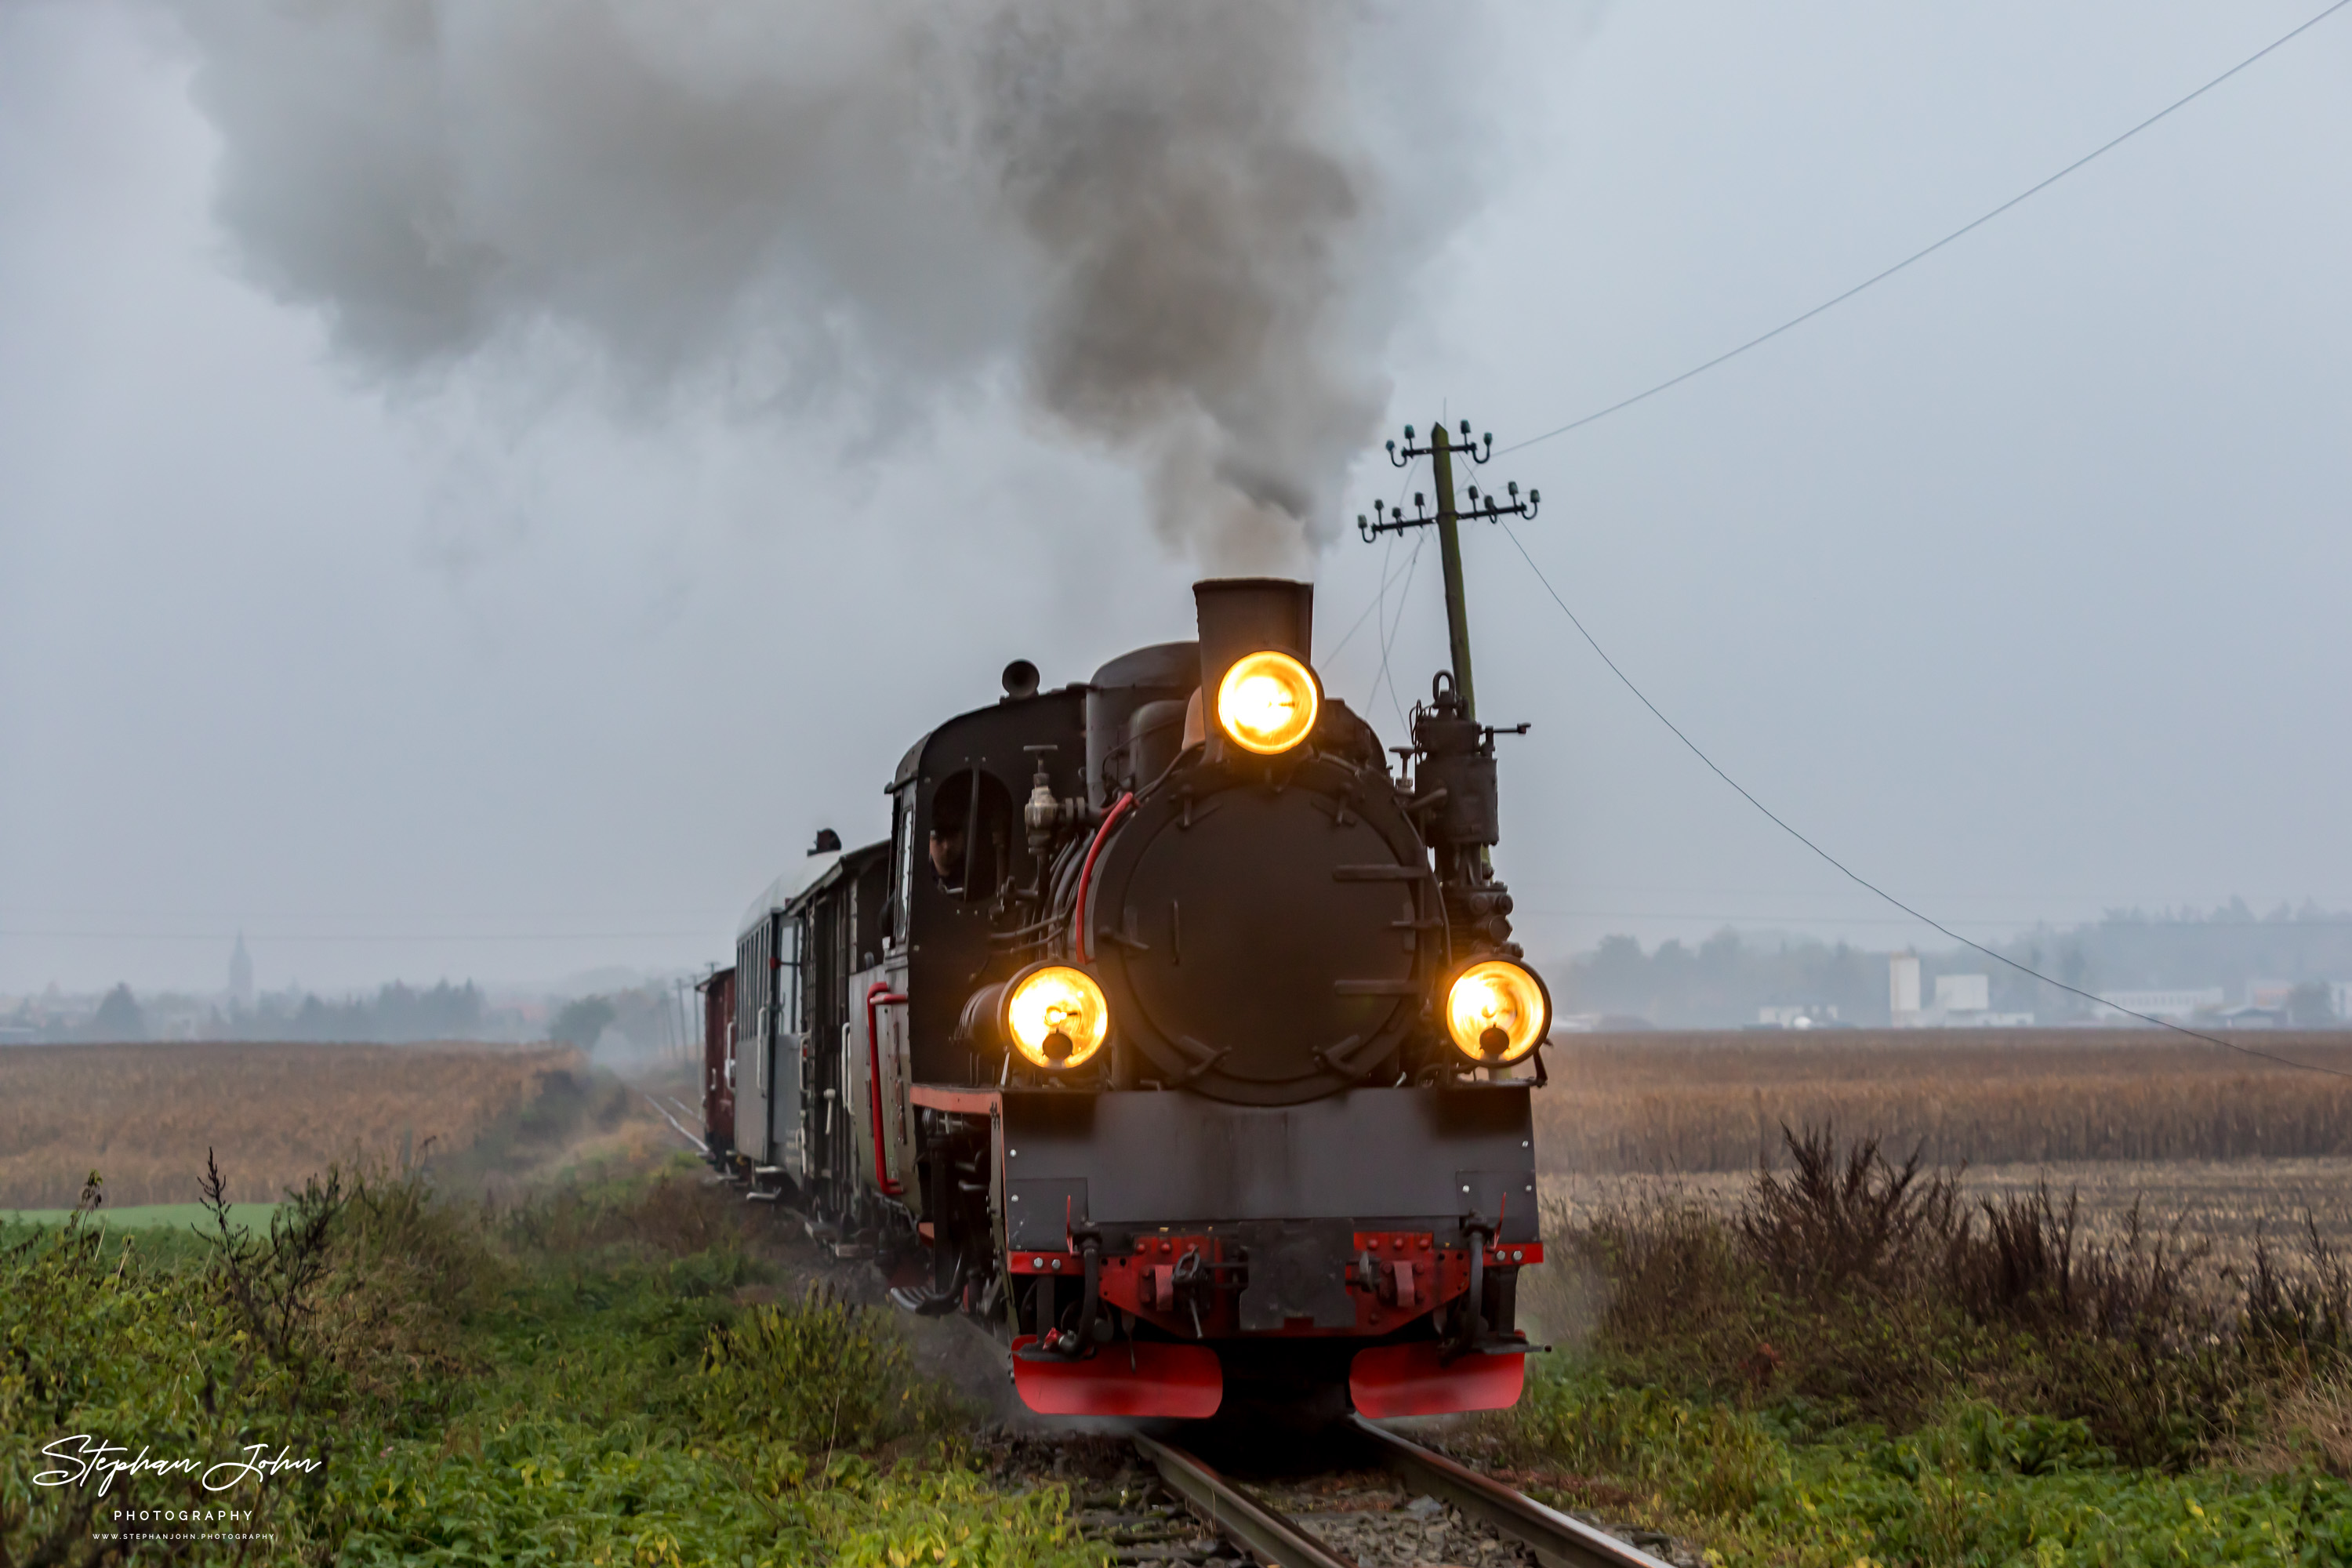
1168 218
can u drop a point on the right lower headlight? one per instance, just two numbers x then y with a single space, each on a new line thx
1497 1012
1057 1016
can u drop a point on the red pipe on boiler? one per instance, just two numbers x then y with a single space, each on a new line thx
1086 872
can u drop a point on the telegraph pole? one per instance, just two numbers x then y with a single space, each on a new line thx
1449 547
1447 521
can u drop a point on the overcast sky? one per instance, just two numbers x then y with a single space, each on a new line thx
2018 582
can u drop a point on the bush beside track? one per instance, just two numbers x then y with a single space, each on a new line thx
609 1376
1859 1365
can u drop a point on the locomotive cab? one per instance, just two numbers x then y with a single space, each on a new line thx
1171 1034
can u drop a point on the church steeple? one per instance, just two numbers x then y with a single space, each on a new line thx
240 977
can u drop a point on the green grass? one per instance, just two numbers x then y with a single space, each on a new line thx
575 1385
1974 1486
148 1216
603 1437
1859 1369
163 1234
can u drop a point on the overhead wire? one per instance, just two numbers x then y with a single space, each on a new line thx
1379 602
1388 553
1971 226
1819 918
1855 877
1403 598
1378 599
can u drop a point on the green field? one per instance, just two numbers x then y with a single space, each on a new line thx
633 1375
149 1215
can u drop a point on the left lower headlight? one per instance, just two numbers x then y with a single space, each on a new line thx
1267 702
1057 1016
1497 1012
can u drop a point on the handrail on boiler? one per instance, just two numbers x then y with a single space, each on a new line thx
880 995
1086 873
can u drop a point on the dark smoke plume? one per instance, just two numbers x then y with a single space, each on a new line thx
1169 217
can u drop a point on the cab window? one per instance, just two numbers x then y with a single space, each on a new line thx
969 846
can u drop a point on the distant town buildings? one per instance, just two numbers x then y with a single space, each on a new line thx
2267 992
1963 993
1962 1001
1804 1016
2177 1005
1903 987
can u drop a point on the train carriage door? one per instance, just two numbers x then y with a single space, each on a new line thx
824 1115
848 1075
753 1006
788 1148
718 995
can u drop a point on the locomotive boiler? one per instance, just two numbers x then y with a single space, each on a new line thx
1172 1034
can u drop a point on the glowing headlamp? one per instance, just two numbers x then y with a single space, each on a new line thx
1497 1012
1267 701
1055 1017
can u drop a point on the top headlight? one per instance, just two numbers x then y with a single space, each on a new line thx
1267 702
1497 1012
1057 1017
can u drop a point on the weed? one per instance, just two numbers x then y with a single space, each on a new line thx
1829 1221
1860 1290
1708 1457
1975 1486
816 1375
477 1397
273 1282
2304 1314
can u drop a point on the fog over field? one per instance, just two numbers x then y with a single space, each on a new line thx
480 487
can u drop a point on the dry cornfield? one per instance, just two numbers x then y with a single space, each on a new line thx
1664 1102
143 1116
2213 1208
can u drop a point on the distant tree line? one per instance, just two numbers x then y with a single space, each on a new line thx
1727 979
397 1014
1722 982
639 1022
2133 950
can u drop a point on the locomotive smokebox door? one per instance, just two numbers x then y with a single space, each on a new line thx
1261 990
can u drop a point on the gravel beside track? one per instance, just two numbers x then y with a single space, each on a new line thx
1355 1510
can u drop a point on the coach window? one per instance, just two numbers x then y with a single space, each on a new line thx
971 834
902 866
788 976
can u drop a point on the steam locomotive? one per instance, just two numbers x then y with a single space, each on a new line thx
1170 1035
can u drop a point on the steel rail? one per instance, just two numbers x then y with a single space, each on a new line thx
1558 1541
1272 1539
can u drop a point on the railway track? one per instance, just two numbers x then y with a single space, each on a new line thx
1456 1516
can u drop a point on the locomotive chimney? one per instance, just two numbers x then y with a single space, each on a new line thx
1241 615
